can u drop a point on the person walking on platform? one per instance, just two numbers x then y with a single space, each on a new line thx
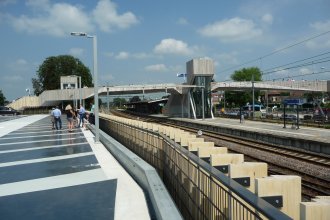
242 118
82 113
57 116
69 115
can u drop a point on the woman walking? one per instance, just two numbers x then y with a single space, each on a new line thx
69 115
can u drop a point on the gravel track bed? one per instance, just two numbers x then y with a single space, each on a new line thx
310 169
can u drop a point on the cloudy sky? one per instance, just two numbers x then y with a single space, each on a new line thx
147 42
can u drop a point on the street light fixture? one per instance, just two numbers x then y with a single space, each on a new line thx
80 96
96 94
79 34
28 91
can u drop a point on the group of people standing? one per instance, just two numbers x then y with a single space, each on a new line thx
75 117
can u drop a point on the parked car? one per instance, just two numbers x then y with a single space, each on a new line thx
319 118
8 111
288 117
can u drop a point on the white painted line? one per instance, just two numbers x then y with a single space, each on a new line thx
47 159
18 123
28 142
51 131
39 148
73 179
32 136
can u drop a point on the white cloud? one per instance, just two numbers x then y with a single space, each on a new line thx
156 68
318 43
106 16
76 52
321 26
140 55
267 18
172 46
122 55
19 66
322 41
39 4
182 21
235 29
305 71
59 20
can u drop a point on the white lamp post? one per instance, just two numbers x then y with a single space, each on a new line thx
96 94
80 98
77 87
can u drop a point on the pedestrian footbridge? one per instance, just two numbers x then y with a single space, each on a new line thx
191 99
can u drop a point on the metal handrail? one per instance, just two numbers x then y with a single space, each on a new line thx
235 190
258 203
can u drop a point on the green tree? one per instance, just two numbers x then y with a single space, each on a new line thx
51 70
135 99
118 102
312 96
246 74
2 98
239 98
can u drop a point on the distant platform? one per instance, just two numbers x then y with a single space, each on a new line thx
306 138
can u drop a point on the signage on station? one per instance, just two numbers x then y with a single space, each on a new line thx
293 101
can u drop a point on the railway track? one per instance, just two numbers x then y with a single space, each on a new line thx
313 168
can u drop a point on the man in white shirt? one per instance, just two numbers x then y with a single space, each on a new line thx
57 116
81 113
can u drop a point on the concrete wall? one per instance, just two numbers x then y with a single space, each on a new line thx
50 98
199 67
26 101
176 106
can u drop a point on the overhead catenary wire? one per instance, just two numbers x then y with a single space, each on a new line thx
297 66
277 51
301 75
308 58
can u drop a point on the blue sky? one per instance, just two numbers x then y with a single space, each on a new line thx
147 42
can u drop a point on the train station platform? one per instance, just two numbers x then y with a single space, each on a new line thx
56 174
311 133
306 138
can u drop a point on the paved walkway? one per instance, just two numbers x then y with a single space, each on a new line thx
309 133
48 174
